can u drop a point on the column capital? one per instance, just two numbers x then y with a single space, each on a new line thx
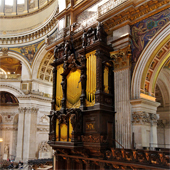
28 110
142 117
121 58
154 118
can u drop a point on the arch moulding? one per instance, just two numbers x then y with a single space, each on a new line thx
11 89
144 64
20 58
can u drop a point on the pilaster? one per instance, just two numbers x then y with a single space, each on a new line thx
122 78
26 133
2 7
144 121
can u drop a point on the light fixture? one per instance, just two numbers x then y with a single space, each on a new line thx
1 140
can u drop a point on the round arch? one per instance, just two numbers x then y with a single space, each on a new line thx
163 84
159 45
37 61
11 89
20 58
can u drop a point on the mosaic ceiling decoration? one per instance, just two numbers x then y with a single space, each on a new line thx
143 31
29 51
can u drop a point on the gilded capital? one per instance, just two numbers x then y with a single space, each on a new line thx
121 58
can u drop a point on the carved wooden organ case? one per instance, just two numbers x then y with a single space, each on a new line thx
82 115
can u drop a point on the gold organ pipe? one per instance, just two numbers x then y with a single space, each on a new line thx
91 78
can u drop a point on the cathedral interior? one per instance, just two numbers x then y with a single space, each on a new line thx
85 84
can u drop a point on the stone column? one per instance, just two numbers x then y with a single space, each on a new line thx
20 135
122 80
30 134
14 7
26 134
26 6
36 4
144 120
2 7
167 134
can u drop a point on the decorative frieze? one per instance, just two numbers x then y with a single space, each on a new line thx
143 117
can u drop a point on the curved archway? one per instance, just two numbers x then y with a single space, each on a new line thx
157 47
11 89
37 61
26 68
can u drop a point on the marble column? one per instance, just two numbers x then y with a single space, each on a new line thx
2 7
122 78
14 11
122 108
20 134
26 133
144 120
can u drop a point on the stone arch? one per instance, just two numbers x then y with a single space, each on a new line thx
163 83
45 71
11 89
156 50
37 61
25 64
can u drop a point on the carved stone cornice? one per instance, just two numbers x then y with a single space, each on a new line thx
34 97
121 58
133 13
37 33
11 87
28 110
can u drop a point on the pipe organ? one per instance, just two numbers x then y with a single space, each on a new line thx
82 112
